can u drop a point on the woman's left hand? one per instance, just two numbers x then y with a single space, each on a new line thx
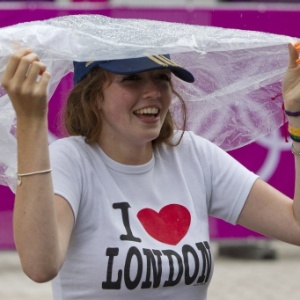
291 83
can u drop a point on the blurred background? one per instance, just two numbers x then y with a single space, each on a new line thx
248 265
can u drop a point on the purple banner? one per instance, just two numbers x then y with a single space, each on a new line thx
270 157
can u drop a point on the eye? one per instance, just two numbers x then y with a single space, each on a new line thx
131 77
164 76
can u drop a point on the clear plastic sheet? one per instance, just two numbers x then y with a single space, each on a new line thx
234 101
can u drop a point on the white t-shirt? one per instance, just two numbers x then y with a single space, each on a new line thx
142 232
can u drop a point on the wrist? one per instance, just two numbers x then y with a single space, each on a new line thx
293 118
294 133
31 127
33 121
292 113
296 148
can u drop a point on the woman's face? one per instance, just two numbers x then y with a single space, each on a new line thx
134 107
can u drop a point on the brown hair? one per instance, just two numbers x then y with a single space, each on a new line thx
81 113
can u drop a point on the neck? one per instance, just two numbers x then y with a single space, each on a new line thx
127 154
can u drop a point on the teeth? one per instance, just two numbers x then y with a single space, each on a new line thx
147 111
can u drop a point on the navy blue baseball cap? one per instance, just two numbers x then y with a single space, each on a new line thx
132 66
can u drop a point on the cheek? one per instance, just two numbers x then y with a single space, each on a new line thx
168 98
115 107
99 103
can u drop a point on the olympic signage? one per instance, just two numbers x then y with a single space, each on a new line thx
270 157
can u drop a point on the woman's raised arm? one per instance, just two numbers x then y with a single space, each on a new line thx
41 233
267 210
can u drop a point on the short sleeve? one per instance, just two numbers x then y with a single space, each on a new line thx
231 185
67 172
227 181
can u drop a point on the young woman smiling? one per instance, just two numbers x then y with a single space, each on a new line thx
120 208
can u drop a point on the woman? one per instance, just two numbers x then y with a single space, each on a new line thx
124 212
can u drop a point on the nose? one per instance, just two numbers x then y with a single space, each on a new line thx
152 89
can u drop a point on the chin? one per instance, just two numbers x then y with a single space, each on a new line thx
151 137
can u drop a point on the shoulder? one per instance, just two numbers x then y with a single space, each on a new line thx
192 150
191 137
67 142
71 150
73 145
193 143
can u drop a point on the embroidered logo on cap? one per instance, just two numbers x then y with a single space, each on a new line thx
163 61
88 63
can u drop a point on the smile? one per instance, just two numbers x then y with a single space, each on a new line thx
147 111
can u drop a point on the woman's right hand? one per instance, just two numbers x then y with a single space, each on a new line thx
25 80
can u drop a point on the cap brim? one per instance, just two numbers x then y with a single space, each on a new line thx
144 64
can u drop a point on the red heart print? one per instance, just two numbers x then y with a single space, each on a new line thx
169 225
